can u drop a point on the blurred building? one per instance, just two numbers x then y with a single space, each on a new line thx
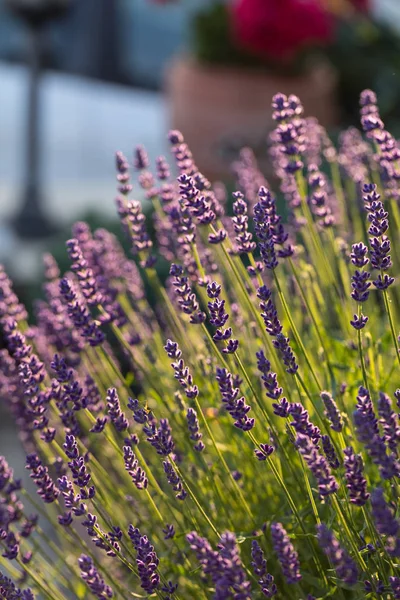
129 41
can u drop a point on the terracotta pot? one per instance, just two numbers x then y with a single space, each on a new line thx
220 110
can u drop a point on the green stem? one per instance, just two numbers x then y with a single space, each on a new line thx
389 314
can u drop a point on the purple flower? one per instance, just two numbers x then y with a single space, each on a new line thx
375 585
318 465
330 452
174 480
344 565
169 532
182 373
264 230
99 425
217 237
360 285
140 158
160 437
244 238
385 522
222 565
318 197
379 242
356 482
146 560
259 564
359 255
136 221
93 579
114 410
365 415
382 283
10 306
194 429
65 519
11 548
169 588
359 322
389 421
263 451
235 405
281 343
80 315
332 412
46 488
186 298
290 139
395 585
123 176
198 204
140 415
9 591
162 168
301 422
269 378
367 431
282 408
218 316
71 500
270 314
286 553
84 273
132 466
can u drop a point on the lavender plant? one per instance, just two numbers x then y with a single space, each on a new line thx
232 432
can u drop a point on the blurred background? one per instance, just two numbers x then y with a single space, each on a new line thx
80 79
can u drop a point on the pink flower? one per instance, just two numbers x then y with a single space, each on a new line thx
280 28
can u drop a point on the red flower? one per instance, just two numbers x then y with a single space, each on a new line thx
280 28
362 5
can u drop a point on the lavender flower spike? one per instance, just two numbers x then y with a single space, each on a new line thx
281 343
259 564
332 412
182 373
236 406
194 429
114 410
318 465
147 560
368 433
330 452
244 238
223 566
344 565
389 421
93 579
356 482
174 480
385 522
395 585
160 437
287 555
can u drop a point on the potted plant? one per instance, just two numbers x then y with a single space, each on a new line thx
243 53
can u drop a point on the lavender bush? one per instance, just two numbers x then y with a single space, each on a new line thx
234 433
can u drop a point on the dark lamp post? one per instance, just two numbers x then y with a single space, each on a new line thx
31 221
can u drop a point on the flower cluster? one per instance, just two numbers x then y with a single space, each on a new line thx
186 442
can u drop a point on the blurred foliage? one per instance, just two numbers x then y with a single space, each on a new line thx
367 55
